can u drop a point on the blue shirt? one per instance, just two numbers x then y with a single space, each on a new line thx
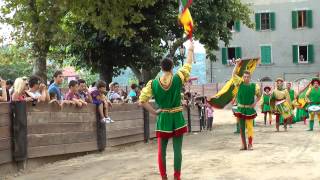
54 88
132 93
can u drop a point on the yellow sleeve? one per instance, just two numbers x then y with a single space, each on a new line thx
184 72
237 80
146 93
258 92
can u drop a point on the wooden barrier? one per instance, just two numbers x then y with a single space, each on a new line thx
5 134
128 126
52 131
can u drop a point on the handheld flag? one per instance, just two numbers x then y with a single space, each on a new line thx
185 17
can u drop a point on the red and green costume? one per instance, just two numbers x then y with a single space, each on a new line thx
170 121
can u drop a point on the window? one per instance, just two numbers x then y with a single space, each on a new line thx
302 19
265 21
303 54
265 53
229 55
234 26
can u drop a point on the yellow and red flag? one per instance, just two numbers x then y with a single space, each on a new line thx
185 17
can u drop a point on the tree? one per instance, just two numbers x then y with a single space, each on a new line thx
38 23
94 47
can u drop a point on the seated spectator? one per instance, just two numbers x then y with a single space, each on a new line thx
99 99
4 95
37 90
72 95
54 87
84 91
19 93
115 93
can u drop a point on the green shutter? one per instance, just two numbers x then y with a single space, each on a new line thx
265 54
238 52
295 54
309 18
258 21
294 19
237 25
224 53
310 53
273 21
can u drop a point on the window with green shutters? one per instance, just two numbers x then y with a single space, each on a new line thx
302 19
303 54
265 21
229 55
265 51
234 26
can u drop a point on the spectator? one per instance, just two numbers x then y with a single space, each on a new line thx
4 96
99 99
115 94
209 111
54 87
19 87
133 91
73 96
9 88
84 91
37 90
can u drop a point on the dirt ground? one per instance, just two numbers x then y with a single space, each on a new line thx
206 155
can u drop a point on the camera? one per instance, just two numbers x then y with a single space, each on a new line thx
34 102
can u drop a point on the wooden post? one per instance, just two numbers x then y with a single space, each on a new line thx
146 125
101 132
189 117
19 133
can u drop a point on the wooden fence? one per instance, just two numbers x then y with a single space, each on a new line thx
52 131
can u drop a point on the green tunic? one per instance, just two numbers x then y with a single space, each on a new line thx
168 99
291 93
245 98
266 103
314 96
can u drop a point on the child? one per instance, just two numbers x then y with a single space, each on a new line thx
99 99
209 111
265 104
72 95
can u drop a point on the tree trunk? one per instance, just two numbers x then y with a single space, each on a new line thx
175 46
106 73
146 75
40 65
136 72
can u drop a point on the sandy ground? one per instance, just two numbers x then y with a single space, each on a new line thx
207 155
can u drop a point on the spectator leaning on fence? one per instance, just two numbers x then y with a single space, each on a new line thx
37 90
19 88
99 99
83 92
114 94
3 97
73 96
54 87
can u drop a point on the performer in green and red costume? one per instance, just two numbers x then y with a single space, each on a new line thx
246 103
313 98
170 122
265 104
281 105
